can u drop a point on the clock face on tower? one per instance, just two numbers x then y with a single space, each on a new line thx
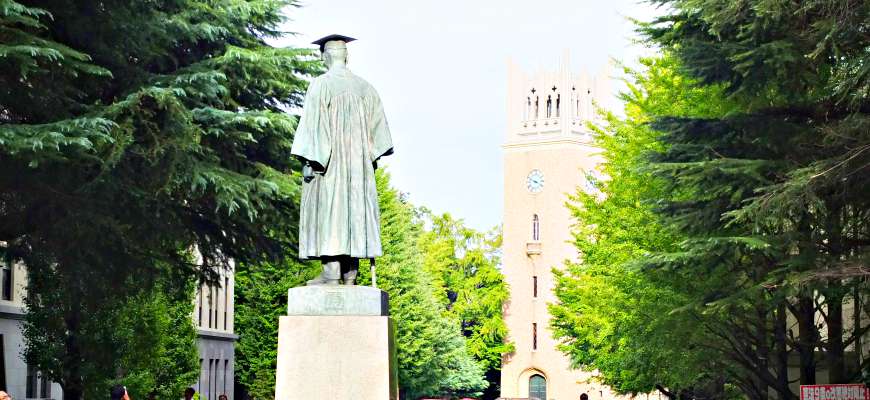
535 181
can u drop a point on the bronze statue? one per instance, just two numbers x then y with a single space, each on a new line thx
342 134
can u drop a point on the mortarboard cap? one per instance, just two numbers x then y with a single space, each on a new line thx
322 41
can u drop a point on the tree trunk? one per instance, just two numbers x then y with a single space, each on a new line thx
73 387
806 312
780 325
836 357
762 348
856 317
670 395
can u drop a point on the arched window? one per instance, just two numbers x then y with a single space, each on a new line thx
549 106
536 228
537 387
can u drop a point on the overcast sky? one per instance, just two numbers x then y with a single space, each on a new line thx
441 70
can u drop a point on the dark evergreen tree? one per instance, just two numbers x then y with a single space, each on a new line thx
775 193
133 132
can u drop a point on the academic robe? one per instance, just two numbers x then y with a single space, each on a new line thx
342 133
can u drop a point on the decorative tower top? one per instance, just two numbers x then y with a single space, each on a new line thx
550 105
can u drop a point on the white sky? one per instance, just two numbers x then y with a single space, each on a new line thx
441 70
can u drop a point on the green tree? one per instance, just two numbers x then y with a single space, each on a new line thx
463 264
261 298
166 363
132 132
432 354
145 341
772 193
631 324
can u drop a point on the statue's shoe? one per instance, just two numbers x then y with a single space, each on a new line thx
320 280
350 278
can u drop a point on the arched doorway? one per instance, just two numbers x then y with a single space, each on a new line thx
537 387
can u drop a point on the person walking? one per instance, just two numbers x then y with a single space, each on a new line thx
119 392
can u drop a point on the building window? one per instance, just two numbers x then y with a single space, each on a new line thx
534 286
536 228
44 387
6 280
534 336
210 305
537 387
30 385
226 299
211 368
199 313
2 366
214 307
226 368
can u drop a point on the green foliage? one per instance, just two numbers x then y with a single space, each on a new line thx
736 214
132 132
164 359
614 317
464 267
463 264
432 355
145 341
261 298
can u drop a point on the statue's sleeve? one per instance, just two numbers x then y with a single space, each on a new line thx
380 141
311 139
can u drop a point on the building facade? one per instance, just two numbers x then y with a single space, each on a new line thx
547 155
213 318
17 378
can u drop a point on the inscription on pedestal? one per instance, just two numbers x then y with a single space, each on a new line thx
336 300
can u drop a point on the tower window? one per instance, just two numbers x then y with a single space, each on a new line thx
534 335
536 228
537 387
534 286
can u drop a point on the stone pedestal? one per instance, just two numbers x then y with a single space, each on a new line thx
336 343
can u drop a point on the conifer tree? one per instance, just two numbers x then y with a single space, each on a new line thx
432 355
133 132
775 192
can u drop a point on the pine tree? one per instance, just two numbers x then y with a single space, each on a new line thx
133 132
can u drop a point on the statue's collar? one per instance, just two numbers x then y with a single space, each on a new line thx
339 71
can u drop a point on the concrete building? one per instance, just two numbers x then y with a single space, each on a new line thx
547 154
16 377
213 317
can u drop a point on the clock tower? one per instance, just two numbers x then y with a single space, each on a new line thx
547 154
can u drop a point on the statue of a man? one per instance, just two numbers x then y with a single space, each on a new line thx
342 134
